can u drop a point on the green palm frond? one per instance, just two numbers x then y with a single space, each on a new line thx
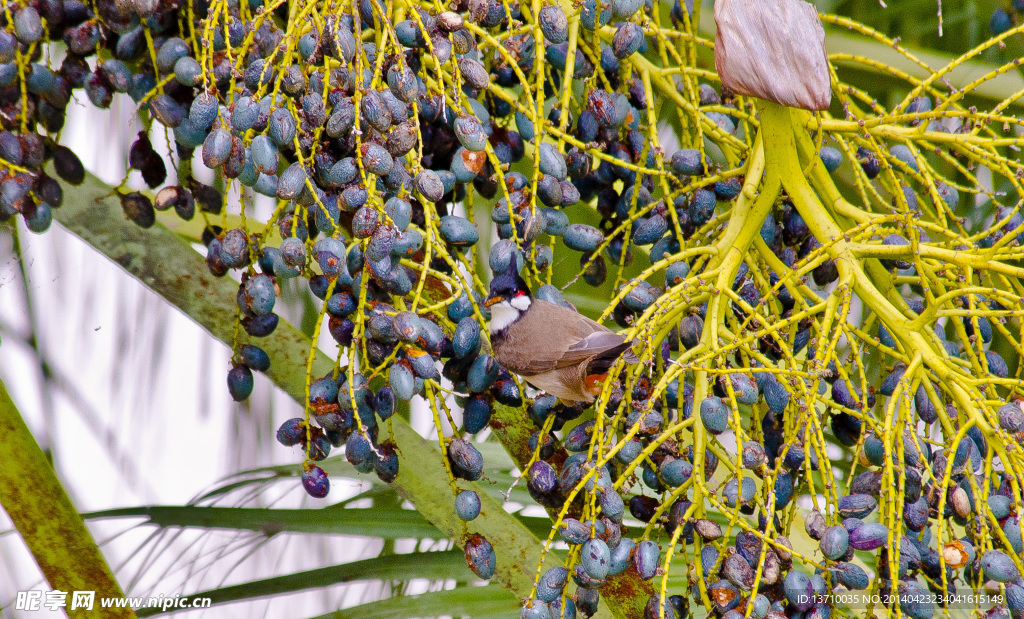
36 503
490 602
445 565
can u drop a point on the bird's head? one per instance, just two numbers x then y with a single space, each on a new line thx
509 298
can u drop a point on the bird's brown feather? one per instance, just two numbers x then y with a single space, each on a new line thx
563 343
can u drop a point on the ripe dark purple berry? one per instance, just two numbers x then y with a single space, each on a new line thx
68 166
642 296
480 556
542 479
851 576
144 158
476 414
856 505
687 162
628 39
292 432
554 24
691 327
869 536
27 25
573 531
386 464
254 357
648 231
736 570
260 326
1015 596
831 158
240 382
139 209
384 403
8 46
701 206
551 584
578 439
1011 418
465 459
869 162
165 109
10 148
996 364
315 482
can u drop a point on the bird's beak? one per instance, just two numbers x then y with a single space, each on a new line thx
489 301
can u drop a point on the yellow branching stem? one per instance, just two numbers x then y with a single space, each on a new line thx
826 308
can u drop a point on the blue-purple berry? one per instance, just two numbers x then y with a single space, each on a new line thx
315 482
240 382
467 505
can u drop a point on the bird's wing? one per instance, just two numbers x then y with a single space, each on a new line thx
598 344
607 344
589 340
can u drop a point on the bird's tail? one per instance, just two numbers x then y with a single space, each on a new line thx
602 362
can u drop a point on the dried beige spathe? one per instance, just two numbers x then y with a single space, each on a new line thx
774 50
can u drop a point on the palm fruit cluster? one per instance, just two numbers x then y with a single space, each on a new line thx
861 352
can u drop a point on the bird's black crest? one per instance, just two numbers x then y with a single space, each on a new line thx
509 282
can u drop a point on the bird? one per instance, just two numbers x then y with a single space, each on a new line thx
555 348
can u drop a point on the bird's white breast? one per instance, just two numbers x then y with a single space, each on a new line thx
505 313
